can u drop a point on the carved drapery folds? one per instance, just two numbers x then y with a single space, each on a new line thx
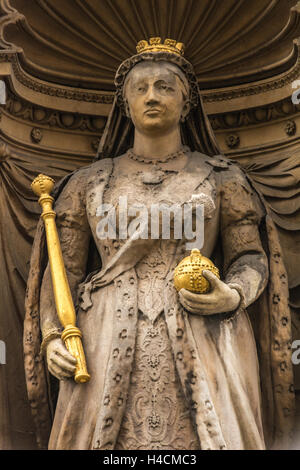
86 41
19 215
274 166
58 60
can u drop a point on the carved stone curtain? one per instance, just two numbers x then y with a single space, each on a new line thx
19 213
277 176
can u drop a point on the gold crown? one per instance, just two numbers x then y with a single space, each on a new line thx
155 45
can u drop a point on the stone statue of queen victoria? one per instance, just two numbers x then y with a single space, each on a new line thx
169 370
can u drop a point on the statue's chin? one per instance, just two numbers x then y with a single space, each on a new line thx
156 125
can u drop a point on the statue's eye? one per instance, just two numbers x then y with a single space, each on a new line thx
164 87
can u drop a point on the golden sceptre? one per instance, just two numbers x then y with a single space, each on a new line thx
71 335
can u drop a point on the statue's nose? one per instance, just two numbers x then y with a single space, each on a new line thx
151 97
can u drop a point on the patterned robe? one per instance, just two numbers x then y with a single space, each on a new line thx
211 389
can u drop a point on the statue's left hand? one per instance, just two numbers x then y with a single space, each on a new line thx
220 299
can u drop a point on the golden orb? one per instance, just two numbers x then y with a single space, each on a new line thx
188 273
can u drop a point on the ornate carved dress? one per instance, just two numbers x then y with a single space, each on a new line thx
157 414
162 378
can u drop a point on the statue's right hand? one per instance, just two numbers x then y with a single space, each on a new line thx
60 362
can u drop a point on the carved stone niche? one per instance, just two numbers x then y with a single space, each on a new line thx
30 126
63 58
227 42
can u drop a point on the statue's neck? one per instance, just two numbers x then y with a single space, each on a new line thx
157 146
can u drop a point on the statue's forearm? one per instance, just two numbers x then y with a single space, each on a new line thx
49 321
75 273
250 273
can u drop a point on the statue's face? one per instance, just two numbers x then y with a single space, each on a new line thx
155 97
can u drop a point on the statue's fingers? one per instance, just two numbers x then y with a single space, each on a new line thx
212 278
53 372
63 363
58 372
197 299
64 353
195 311
183 301
191 296
191 309
190 306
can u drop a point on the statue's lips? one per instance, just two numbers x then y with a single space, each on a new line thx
152 112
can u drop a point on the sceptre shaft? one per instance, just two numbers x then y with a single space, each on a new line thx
71 335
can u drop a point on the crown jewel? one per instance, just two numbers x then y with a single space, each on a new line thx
155 45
